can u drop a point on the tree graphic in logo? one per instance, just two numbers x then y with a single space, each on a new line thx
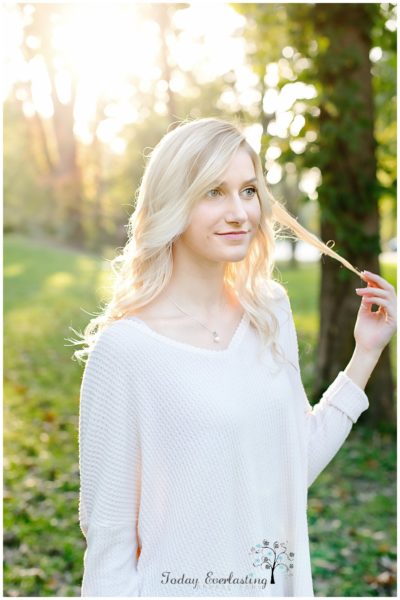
274 557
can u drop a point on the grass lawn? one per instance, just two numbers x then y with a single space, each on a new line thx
352 505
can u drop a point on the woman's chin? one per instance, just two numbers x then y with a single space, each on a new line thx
233 256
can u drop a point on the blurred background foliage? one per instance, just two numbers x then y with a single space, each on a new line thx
85 97
89 90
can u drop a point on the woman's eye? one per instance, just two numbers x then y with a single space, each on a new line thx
252 189
214 190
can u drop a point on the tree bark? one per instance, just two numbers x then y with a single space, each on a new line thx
348 197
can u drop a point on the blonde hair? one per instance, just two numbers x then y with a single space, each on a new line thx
181 168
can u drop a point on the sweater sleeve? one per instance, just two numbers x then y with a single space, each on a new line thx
109 470
327 423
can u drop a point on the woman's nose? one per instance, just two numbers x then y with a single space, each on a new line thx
236 210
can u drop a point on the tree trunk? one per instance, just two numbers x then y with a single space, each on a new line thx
348 195
162 14
64 172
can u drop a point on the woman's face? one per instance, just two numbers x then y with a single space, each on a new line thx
231 204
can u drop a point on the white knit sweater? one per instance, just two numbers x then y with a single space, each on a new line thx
195 463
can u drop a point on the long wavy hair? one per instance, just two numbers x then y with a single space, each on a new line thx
180 170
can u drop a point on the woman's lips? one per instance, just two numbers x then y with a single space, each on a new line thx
233 236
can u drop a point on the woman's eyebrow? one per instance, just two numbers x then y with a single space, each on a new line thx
244 182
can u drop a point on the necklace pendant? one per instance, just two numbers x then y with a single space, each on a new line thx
216 336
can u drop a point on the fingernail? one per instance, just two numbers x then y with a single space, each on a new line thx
367 272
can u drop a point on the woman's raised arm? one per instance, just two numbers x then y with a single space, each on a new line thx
328 423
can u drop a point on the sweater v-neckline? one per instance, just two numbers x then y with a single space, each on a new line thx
235 339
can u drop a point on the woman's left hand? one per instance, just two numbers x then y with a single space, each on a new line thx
373 330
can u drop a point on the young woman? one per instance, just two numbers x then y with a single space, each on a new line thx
197 441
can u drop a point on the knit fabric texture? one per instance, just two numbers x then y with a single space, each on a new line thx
195 463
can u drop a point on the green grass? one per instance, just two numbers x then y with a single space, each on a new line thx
352 505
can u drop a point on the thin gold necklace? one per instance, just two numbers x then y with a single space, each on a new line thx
216 337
